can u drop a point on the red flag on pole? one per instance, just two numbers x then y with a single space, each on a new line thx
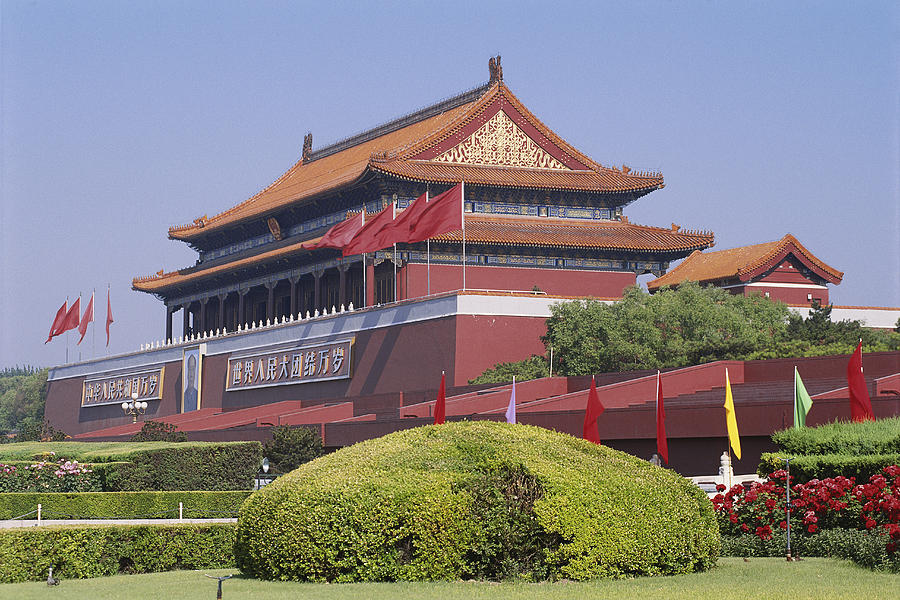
86 318
860 404
440 406
339 235
109 318
58 321
662 444
441 214
72 316
374 235
593 411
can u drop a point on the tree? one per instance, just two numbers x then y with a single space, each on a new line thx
525 370
156 431
22 398
672 328
290 447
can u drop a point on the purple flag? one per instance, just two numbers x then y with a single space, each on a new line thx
511 411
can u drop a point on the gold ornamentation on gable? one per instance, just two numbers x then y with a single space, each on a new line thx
500 142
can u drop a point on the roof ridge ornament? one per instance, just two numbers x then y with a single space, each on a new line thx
495 70
307 146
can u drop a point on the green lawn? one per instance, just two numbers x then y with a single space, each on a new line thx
813 578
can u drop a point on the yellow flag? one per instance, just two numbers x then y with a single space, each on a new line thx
731 420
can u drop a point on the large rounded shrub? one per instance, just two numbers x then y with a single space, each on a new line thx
475 500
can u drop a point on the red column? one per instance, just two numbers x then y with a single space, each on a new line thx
370 282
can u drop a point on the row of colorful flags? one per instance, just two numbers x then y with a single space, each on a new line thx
860 407
71 317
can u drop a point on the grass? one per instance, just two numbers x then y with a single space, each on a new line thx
733 578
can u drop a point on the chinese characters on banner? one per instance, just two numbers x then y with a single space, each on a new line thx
322 362
118 388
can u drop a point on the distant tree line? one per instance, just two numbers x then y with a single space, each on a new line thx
23 392
685 326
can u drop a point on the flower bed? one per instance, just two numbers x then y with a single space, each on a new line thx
831 503
48 476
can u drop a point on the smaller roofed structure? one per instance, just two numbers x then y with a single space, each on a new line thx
782 270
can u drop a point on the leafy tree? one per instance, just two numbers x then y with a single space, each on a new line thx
155 431
672 328
22 398
525 370
290 447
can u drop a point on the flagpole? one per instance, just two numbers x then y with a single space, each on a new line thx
365 289
462 206
67 333
394 260
428 249
107 316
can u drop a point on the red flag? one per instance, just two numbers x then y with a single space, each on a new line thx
860 405
72 316
86 318
442 214
593 411
58 321
339 235
440 406
109 318
662 444
374 235
401 226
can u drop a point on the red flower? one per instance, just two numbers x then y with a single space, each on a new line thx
812 528
870 523
745 528
720 487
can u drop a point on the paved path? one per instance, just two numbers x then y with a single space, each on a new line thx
11 524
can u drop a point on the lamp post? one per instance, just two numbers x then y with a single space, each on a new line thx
265 475
134 408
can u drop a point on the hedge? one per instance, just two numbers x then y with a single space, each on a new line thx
124 505
95 551
213 467
806 468
478 500
89 452
869 437
866 548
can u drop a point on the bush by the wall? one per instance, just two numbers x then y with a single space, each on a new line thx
49 476
869 437
866 548
122 505
290 447
806 468
94 551
475 499
188 467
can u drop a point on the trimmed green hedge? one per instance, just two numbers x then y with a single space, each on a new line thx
476 500
94 551
869 437
124 505
866 548
187 467
90 452
805 468
135 466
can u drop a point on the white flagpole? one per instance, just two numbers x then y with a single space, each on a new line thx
67 333
428 249
462 207
394 255
365 289
94 328
107 316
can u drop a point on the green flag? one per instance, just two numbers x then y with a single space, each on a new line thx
802 401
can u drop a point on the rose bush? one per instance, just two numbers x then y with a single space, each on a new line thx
831 503
44 476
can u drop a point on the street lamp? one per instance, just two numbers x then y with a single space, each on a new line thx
134 408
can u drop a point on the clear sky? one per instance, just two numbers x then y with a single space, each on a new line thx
120 119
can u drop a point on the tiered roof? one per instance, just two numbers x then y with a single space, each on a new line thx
520 231
744 263
442 144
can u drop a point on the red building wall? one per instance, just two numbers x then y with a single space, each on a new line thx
556 282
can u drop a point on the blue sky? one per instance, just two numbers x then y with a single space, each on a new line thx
121 119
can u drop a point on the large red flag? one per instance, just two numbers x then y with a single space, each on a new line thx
442 214
58 321
593 411
72 316
374 235
662 444
440 408
109 318
339 235
400 227
86 318
860 404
